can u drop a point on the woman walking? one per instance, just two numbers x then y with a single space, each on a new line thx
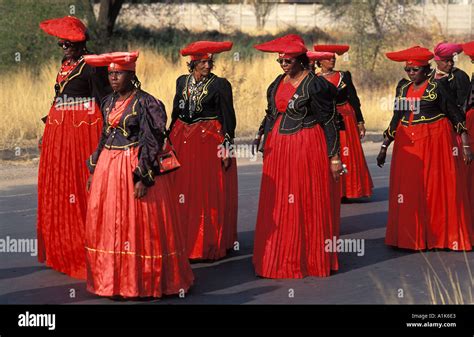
133 241
295 218
428 201
357 183
71 133
202 131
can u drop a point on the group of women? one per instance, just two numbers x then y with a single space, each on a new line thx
111 213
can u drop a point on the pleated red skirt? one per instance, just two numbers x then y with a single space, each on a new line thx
133 246
470 168
428 202
205 192
357 183
295 211
70 136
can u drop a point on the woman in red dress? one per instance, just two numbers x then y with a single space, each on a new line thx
202 132
428 200
133 241
468 49
357 182
301 145
71 133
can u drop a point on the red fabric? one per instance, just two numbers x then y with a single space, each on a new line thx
67 28
446 51
70 136
133 246
338 49
470 168
414 56
288 46
116 114
357 182
201 50
285 92
66 69
296 211
114 61
428 201
205 192
334 78
468 49
318 56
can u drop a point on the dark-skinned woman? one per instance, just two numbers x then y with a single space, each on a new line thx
428 200
301 156
71 133
459 84
468 49
357 183
133 244
202 132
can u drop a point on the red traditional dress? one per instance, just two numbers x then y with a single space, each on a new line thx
203 124
295 215
357 182
71 133
134 246
428 200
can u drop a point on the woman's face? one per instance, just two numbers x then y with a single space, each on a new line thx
445 65
290 66
203 67
120 81
328 64
416 74
71 50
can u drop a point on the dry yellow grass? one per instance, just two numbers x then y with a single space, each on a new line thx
27 97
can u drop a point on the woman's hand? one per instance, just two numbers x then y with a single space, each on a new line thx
255 145
336 167
226 162
468 156
88 183
466 149
362 130
140 190
381 157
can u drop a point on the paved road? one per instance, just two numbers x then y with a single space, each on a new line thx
381 275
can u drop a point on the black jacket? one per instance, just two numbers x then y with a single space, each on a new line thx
216 102
313 103
436 103
346 92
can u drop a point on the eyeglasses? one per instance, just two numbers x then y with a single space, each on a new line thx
285 61
410 69
65 44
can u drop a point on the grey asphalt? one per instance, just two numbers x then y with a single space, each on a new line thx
382 275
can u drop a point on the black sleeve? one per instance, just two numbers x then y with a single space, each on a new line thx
352 97
463 87
323 103
389 133
226 107
177 101
94 157
470 98
99 83
449 107
150 139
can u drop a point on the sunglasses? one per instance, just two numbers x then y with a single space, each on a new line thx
285 61
65 44
414 69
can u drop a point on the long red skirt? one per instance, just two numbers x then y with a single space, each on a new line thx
206 193
70 136
428 202
295 214
470 168
133 246
357 183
